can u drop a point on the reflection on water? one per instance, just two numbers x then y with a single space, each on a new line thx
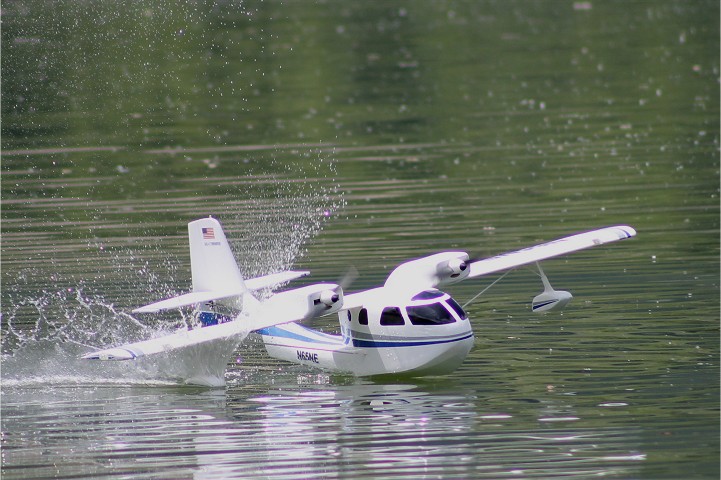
363 135
344 429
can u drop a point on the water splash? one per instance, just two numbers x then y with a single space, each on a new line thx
283 215
67 325
45 332
65 316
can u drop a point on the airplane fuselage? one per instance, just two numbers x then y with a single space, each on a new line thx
427 334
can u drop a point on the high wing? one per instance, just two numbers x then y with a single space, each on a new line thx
555 248
447 268
179 339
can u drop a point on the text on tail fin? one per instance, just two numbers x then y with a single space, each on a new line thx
212 262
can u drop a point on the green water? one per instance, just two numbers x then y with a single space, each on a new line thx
329 135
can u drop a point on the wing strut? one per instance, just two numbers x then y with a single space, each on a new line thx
486 289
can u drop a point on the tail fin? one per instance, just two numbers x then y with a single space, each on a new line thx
212 262
215 274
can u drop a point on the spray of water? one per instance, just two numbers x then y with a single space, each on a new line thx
68 323
44 333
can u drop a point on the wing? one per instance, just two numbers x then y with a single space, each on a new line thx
555 248
447 268
174 341
285 307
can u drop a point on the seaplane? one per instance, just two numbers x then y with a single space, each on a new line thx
407 326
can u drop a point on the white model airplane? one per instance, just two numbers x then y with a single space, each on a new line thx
405 326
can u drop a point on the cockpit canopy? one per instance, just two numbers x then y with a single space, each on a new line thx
422 311
432 314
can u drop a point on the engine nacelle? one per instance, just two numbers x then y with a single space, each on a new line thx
452 270
328 298
323 299
305 302
429 272
454 267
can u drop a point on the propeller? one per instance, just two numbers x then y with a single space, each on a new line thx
350 276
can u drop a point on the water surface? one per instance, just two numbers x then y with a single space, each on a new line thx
364 135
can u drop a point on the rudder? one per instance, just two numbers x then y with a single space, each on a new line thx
213 265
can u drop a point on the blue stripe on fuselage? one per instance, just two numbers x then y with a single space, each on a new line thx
281 332
276 331
386 344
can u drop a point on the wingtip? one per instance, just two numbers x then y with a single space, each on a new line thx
111 354
628 230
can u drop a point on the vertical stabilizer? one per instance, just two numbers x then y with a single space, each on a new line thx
212 262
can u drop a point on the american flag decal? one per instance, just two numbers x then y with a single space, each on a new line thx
208 233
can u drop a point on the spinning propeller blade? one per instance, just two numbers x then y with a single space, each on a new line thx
351 275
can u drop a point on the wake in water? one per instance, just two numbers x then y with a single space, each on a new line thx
44 333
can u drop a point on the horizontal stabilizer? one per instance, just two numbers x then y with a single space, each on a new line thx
555 248
185 300
274 279
193 298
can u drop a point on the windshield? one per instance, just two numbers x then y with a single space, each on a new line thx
433 314
458 309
